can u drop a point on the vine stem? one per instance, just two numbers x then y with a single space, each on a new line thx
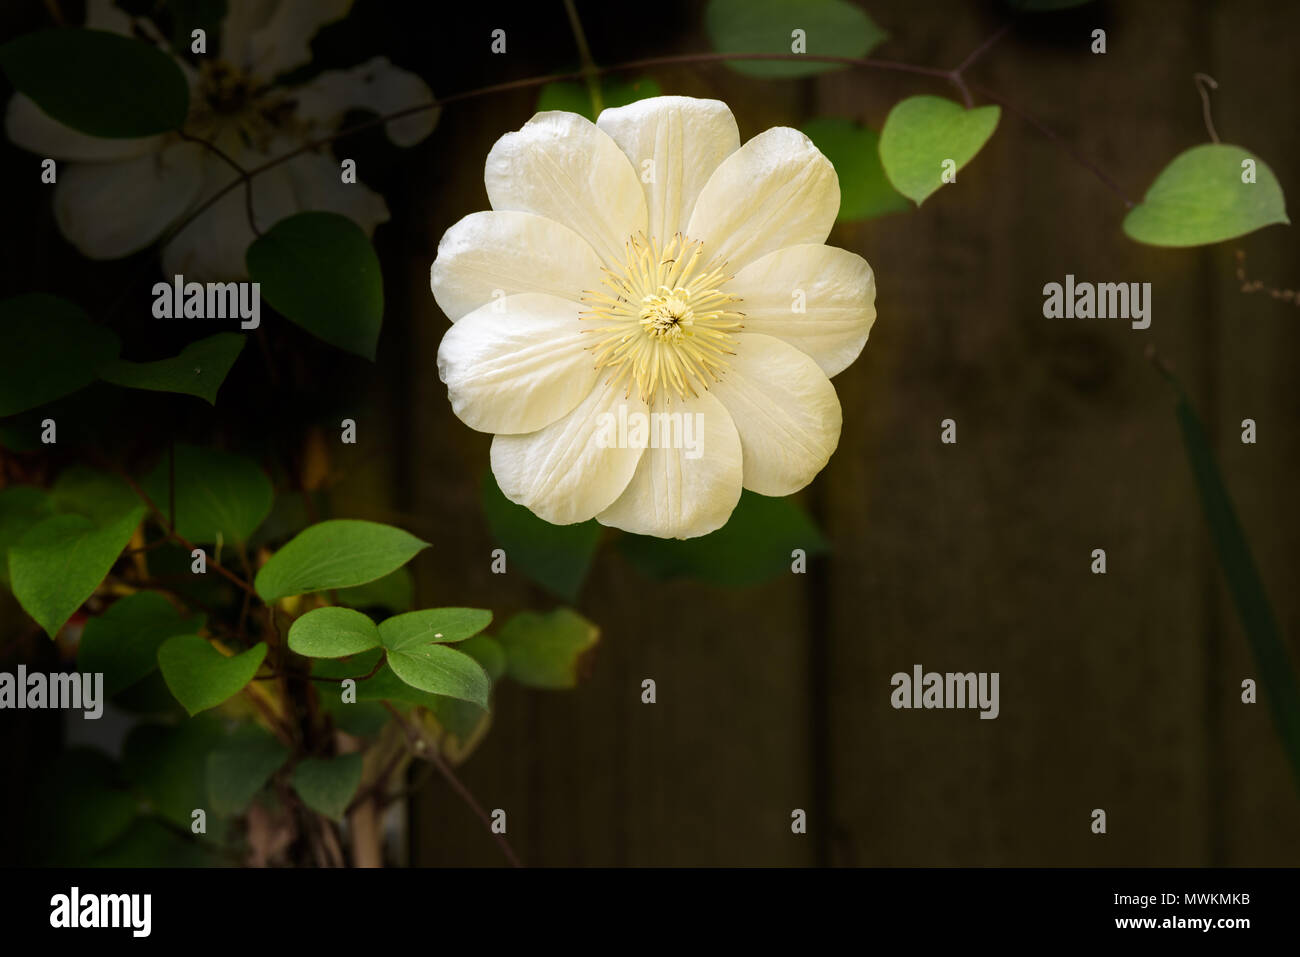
590 72
427 751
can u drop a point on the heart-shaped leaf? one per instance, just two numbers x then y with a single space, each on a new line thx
440 625
21 508
239 769
440 670
200 676
48 348
333 632
99 82
547 651
320 271
923 133
199 370
335 554
557 557
1201 198
327 785
829 28
123 642
220 496
60 562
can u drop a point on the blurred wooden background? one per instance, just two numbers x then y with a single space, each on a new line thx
1120 692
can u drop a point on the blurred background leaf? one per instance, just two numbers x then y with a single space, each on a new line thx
831 28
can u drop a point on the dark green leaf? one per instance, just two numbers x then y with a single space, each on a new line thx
854 151
1199 198
100 496
219 495
123 642
548 651
333 632
487 651
555 556
831 28
335 554
327 785
321 272
383 685
60 562
431 625
240 768
48 348
199 370
754 546
200 676
21 507
98 82
167 766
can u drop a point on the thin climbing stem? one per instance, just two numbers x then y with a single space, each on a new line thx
426 750
1203 80
589 73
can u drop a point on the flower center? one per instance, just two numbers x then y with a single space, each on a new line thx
664 325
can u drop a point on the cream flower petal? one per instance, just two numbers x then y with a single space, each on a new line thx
28 126
273 42
677 492
686 138
777 190
785 410
836 289
377 86
561 166
509 252
516 364
316 186
563 473
110 210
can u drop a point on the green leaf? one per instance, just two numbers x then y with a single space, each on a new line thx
239 769
123 642
383 685
854 151
487 651
1199 198
199 370
753 547
321 272
219 495
149 843
167 766
60 562
200 676
922 132
831 28
1276 668
21 508
395 592
98 82
441 625
548 651
333 632
48 349
335 554
440 670
573 97
327 785
100 496
557 557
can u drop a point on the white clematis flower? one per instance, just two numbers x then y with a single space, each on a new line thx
115 197
648 263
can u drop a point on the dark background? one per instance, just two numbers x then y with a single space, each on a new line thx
1119 692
